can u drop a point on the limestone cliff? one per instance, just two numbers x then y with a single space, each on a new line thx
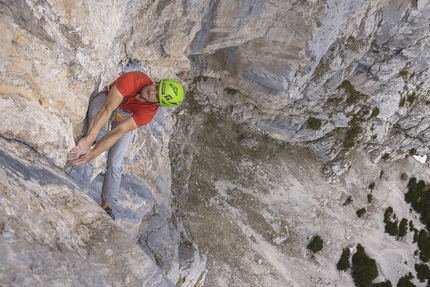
291 106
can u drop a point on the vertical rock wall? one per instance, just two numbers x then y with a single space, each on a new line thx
330 75
54 55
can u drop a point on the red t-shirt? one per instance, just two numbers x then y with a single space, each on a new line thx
129 85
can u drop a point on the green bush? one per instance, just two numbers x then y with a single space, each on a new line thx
360 212
403 227
411 225
351 135
383 284
411 98
314 124
372 186
423 272
405 281
418 196
316 244
424 245
348 201
369 198
343 263
391 227
375 112
364 269
353 94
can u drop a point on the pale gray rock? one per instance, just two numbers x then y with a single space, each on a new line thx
361 67
53 234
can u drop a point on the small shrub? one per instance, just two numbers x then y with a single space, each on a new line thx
364 269
348 201
382 284
403 227
343 263
353 94
424 245
403 73
316 244
411 98
372 186
386 156
411 226
351 136
418 196
413 151
314 124
405 281
391 227
416 235
423 272
375 113
369 198
402 102
361 212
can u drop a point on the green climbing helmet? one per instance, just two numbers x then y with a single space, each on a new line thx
170 93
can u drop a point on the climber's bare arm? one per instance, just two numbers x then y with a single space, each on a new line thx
113 100
107 141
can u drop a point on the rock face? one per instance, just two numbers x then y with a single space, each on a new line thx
53 234
350 65
342 79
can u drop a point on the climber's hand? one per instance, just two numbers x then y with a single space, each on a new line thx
81 149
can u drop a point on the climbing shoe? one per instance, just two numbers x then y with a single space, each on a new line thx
109 211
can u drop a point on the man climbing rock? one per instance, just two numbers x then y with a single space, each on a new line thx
129 102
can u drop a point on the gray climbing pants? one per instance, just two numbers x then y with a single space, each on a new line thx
115 155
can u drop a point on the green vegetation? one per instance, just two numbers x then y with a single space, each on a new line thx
418 196
364 269
375 112
405 281
369 198
413 151
316 244
391 227
355 44
411 226
348 201
403 73
403 227
411 98
383 284
423 272
361 212
372 186
343 263
314 124
402 103
353 94
386 156
352 133
424 245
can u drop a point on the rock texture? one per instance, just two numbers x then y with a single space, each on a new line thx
333 61
346 80
253 204
53 234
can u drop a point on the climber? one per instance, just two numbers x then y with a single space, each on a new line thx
131 101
